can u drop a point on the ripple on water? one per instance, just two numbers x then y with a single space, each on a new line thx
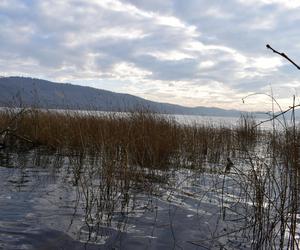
44 211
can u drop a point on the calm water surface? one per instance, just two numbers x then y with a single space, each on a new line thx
42 206
49 201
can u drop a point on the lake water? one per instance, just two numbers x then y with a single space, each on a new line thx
42 208
226 121
52 201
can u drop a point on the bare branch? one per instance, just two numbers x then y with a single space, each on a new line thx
275 116
284 56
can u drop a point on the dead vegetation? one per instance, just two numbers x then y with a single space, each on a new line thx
143 138
114 157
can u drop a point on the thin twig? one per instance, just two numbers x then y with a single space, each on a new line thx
284 56
275 116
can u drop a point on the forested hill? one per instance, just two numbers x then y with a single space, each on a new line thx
21 91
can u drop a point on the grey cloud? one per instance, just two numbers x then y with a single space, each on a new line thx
83 35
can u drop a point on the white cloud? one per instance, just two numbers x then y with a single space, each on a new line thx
266 63
174 55
291 4
194 52
128 71
12 5
217 12
206 64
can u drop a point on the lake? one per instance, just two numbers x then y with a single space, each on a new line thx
221 188
42 208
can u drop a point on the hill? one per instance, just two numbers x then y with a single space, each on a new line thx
23 91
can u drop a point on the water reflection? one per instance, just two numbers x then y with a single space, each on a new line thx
75 201
78 198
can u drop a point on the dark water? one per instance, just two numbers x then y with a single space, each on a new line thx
44 206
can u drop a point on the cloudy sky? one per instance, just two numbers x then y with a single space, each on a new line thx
189 52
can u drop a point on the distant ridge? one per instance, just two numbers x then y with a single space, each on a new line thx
24 91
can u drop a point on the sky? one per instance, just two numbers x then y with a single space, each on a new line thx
187 52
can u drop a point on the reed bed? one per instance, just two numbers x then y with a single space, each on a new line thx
147 139
114 157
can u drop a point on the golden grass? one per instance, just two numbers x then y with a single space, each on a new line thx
143 138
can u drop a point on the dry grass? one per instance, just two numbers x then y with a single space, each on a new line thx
144 139
137 150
